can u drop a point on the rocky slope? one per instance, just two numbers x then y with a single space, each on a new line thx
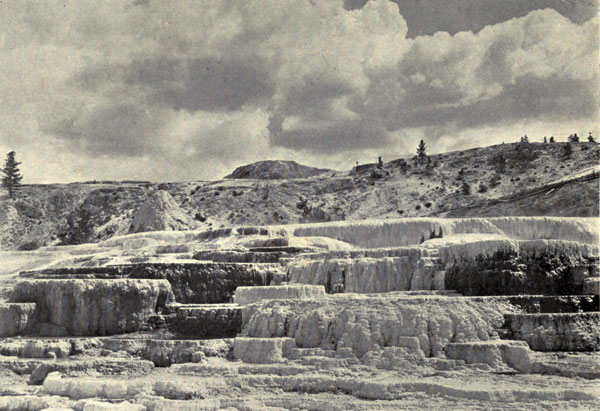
506 179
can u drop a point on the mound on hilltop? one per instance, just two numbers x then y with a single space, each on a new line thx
159 212
275 170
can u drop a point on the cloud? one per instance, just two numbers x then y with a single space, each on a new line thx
541 66
426 17
188 83
122 130
212 84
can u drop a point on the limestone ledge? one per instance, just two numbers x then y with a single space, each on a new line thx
91 307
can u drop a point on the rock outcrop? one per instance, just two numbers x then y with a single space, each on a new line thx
207 321
509 271
275 169
159 212
14 318
91 307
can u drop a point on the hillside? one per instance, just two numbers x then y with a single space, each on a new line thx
535 180
275 170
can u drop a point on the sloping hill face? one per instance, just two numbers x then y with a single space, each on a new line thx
462 183
572 198
275 170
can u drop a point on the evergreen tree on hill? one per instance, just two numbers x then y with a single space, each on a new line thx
422 153
12 175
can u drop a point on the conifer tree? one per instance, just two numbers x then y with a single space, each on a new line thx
422 153
12 176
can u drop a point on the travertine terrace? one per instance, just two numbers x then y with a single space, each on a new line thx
399 313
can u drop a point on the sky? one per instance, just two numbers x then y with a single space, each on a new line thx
189 90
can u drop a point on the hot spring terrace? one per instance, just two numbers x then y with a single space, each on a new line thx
405 294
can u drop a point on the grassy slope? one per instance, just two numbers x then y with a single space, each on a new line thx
91 212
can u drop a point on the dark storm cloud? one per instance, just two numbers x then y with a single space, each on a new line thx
121 130
528 98
312 95
332 137
192 84
425 17
209 84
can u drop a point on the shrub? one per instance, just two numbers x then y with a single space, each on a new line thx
495 180
30 245
465 189
567 151
482 188
499 162
523 154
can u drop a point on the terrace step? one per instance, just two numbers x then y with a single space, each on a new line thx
39 347
283 249
250 295
297 353
165 352
14 318
200 282
240 256
584 365
323 362
262 350
555 303
556 331
40 368
161 351
92 307
591 286
207 320
495 353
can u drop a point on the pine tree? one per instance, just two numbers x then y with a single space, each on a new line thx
552 139
12 176
422 153
591 138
